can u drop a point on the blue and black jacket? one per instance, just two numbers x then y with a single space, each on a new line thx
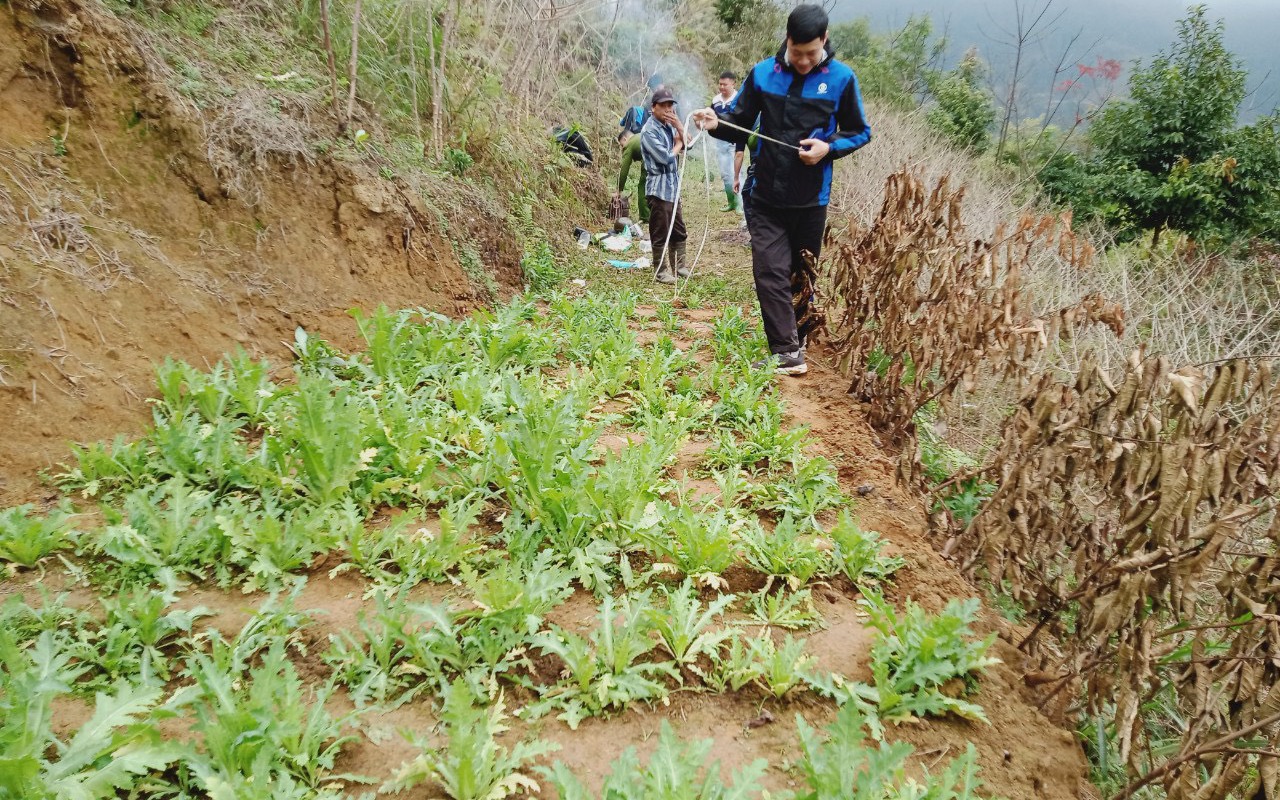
825 104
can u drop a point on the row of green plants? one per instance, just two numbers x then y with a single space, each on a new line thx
837 763
476 429
264 731
515 457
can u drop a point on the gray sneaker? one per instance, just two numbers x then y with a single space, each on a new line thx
784 363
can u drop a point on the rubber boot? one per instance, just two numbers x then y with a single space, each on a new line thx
682 267
730 201
662 269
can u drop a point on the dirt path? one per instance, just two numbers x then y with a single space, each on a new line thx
1023 754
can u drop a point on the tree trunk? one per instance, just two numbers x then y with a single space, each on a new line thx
353 65
328 52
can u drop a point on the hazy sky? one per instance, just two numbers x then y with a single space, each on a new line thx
1123 29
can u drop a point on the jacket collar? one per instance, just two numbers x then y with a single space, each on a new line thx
780 60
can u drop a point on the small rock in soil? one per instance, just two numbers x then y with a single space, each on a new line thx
765 718
865 489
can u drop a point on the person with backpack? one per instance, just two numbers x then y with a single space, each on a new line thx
810 114
631 123
634 118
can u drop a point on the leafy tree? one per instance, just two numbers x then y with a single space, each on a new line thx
1170 156
964 109
749 30
1253 178
734 13
894 69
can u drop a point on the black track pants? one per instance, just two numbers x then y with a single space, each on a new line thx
779 236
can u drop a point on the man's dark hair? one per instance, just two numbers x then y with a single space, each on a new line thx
728 73
806 23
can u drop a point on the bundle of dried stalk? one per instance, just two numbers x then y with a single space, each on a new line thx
928 307
1135 518
1134 515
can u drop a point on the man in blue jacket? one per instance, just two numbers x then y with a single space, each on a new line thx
810 102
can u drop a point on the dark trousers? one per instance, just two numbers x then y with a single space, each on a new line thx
748 184
663 216
779 238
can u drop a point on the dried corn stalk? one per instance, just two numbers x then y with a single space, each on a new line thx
1135 512
1134 516
926 306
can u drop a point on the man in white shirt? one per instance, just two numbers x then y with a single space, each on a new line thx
728 154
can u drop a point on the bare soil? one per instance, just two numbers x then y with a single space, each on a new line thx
120 244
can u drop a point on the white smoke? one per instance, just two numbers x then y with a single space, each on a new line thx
644 51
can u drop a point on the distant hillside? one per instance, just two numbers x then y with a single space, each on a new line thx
1135 29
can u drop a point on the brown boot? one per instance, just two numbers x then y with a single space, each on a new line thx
682 267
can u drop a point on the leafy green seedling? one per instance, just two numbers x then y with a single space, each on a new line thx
701 545
258 722
733 665
857 555
808 489
918 653
26 538
783 609
684 625
133 643
119 743
405 553
605 672
677 769
843 764
104 470
782 667
766 447
787 552
472 765
167 529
